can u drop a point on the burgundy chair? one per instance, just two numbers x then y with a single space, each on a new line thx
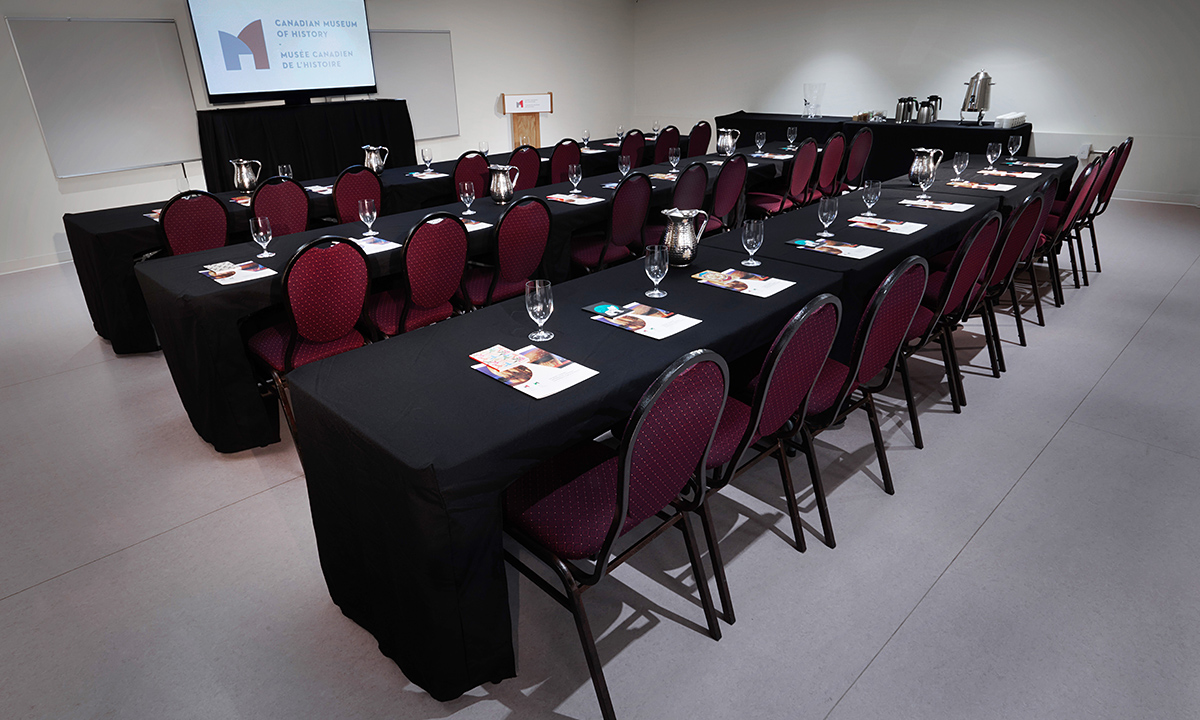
799 177
597 250
521 236
856 159
690 189
881 331
566 153
829 176
751 432
282 201
194 220
1034 250
571 509
1017 237
946 302
325 289
433 258
353 184
1105 197
1058 227
472 166
728 195
699 139
668 138
1111 158
634 145
529 165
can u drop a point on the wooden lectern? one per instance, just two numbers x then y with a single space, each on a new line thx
525 111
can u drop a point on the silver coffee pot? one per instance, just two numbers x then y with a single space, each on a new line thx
906 109
927 113
977 100
375 158
727 140
503 185
924 157
681 237
245 178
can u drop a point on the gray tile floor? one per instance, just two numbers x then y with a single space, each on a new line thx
1041 557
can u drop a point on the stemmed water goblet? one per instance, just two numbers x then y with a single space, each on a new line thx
870 196
539 303
574 174
260 228
657 262
367 213
752 238
961 161
620 133
925 174
654 128
993 154
285 171
827 210
623 164
587 135
483 148
760 139
1014 144
673 156
466 193
427 156
792 134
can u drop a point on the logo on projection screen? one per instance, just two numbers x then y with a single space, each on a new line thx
249 41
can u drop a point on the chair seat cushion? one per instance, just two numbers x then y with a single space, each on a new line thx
933 287
941 261
769 203
271 345
567 503
586 249
653 234
714 224
1059 207
386 308
477 282
729 432
920 323
829 384
1053 224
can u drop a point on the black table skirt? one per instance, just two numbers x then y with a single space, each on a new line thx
407 450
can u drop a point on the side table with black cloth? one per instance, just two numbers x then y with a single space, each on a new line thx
776 125
407 451
198 320
317 140
891 152
1009 199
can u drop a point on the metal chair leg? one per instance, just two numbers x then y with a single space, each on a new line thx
1069 242
1082 258
911 402
1056 279
1016 306
714 556
789 492
991 311
710 612
595 668
1037 293
949 365
1091 226
877 436
957 374
989 338
814 473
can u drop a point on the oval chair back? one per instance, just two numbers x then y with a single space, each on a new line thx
472 166
691 187
1106 194
194 220
634 145
1018 234
282 201
325 289
728 191
566 153
353 184
856 159
630 204
529 165
521 236
699 139
829 176
959 287
803 165
668 138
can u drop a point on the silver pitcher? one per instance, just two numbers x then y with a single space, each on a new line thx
727 140
922 157
906 109
927 113
681 237
502 185
243 177
375 158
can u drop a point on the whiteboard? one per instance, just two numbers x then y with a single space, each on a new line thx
418 66
109 94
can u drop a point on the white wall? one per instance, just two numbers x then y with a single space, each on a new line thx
489 58
1084 70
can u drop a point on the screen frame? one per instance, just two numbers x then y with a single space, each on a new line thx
288 96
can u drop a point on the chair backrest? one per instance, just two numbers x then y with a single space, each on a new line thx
472 166
831 164
435 254
194 220
699 139
691 187
1019 232
634 145
967 267
1075 204
1091 202
667 139
566 153
1049 191
1106 193
521 236
802 171
325 286
730 185
353 184
528 164
856 159
630 203
282 201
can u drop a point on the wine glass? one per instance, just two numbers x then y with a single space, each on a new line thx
760 139
1014 144
673 156
623 164
993 154
427 156
657 262
539 303
587 135
285 171
574 174
620 133
260 227
466 193
871 196
961 161
366 213
792 134
654 128
483 147
827 212
752 237
925 175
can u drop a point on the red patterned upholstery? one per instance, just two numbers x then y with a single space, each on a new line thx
434 256
1123 151
529 165
831 165
922 322
284 202
566 153
887 327
730 431
629 207
194 221
586 250
727 191
971 262
354 184
690 189
1020 232
634 145
271 345
829 384
667 139
1075 203
1049 191
699 139
520 242
799 176
472 166
856 159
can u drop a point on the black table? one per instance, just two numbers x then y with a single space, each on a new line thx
776 125
1009 199
202 325
407 450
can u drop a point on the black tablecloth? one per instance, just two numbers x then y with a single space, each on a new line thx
407 449
199 321
776 125
1009 199
891 149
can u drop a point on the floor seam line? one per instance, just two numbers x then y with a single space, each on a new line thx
1113 433
60 372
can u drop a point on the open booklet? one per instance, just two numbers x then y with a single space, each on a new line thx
743 282
1026 163
427 174
1028 175
641 319
319 189
898 227
938 205
833 247
227 273
772 156
374 243
574 199
998 187
154 214
533 371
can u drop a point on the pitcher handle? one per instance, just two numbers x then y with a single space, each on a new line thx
937 160
518 175
737 135
702 225
385 153
258 169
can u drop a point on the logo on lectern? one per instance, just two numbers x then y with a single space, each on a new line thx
249 41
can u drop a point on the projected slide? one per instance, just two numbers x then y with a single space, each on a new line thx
272 46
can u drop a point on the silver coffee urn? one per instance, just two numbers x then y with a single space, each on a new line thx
977 100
